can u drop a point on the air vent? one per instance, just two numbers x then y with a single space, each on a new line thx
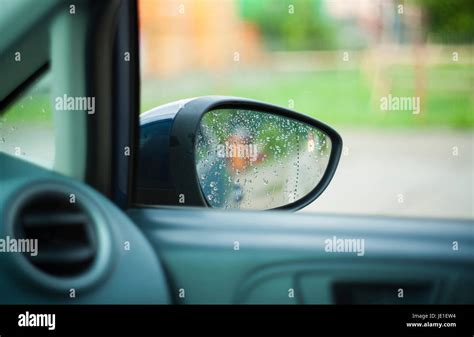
64 230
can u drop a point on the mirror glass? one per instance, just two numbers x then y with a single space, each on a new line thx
250 159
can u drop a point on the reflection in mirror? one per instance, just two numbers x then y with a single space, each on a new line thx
249 159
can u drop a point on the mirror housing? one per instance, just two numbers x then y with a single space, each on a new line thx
167 170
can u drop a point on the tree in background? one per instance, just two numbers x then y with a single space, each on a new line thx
291 24
450 21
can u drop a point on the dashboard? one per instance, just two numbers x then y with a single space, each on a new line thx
88 251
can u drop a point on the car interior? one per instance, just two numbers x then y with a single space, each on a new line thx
102 242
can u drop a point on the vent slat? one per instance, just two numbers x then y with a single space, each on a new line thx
41 219
65 255
66 239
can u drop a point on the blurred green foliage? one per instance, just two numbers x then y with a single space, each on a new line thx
304 25
291 24
449 21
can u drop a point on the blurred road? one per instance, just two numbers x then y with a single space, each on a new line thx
403 172
386 172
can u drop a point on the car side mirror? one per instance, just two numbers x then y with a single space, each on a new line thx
229 152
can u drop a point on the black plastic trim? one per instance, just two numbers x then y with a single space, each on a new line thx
4 103
126 104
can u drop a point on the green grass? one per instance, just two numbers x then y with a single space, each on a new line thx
338 97
33 109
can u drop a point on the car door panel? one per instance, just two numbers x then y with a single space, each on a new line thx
249 257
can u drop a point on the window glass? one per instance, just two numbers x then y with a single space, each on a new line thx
26 127
394 78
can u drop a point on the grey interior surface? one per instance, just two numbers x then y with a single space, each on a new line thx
186 255
279 253
28 36
118 275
